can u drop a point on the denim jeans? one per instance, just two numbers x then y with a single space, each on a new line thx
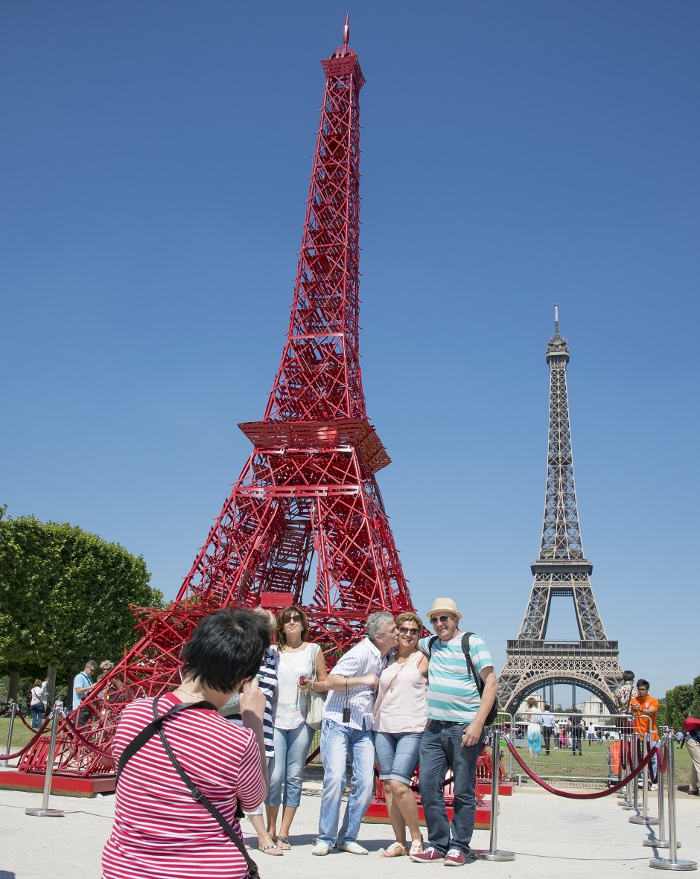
37 715
440 749
338 743
547 733
287 766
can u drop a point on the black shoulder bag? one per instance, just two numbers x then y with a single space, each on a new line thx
491 716
157 727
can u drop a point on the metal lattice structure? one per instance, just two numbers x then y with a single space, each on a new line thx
561 570
306 509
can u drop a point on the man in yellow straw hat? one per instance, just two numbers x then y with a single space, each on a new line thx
454 734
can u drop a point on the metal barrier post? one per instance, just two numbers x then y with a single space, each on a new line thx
672 863
45 812
625 794
644 817
8 749
661 841
632 783
493 854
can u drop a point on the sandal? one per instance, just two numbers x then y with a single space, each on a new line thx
416 846
395 850
283 843
272 849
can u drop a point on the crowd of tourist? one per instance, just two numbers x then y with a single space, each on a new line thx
393 697
261 688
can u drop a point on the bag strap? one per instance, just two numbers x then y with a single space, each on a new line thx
468 656
200 797
149 731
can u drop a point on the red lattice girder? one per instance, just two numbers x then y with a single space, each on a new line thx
305 522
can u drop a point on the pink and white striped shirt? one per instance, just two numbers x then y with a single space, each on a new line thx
159 829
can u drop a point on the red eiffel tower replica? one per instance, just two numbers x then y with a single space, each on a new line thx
307 505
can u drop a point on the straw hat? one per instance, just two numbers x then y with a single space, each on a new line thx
444 605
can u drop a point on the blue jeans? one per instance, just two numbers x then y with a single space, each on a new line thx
287 766
37 715
440 749
338 742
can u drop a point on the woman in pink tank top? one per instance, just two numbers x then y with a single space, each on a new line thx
399 721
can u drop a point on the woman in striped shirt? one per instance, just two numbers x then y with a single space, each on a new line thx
159 828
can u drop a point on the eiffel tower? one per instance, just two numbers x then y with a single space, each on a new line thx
306 509
561 570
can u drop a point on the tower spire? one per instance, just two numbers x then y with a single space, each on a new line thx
561 570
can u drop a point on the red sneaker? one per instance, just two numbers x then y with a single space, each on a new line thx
456 858
426 856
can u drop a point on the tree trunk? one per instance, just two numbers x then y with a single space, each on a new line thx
51 678
14 686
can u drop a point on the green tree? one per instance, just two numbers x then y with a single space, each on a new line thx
65 596
675 707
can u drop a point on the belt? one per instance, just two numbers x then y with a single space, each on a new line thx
449 722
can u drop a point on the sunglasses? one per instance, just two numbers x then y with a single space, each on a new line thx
406 631
444 619
293 618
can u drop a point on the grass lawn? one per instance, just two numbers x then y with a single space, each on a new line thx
20 734
591 763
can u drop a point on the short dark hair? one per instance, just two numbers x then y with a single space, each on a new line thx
283 619
642 683
226 649
627 675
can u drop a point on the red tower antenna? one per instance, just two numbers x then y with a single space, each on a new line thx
306 509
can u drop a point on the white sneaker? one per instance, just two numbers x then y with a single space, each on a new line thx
354 848
320 849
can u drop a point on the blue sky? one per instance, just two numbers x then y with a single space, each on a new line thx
154 168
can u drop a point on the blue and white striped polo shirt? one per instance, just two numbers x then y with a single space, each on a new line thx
452 692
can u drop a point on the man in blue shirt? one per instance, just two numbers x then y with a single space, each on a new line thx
82 684
347 729
453 737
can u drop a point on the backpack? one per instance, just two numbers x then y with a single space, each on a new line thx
491 716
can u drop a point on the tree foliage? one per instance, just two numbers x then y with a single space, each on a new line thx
64 596
680 702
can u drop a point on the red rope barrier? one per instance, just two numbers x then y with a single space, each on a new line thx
21 716
569 794
29 744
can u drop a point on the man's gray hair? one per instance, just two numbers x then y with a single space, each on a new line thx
376 623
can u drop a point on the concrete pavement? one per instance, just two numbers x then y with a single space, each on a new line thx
552 837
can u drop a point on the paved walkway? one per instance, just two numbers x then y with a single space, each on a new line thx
552 837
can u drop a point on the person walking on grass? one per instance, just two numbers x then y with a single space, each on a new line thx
534 731
39 702
548 728
454 735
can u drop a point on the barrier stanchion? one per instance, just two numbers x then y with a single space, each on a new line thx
644 818
8 749
672 862
625 794
660 840
45 812
494 853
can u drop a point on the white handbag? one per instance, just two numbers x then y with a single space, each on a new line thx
314 710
